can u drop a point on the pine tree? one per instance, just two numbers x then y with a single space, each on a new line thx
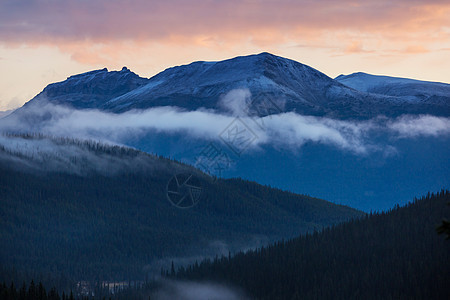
172 270
23 292
32 293
12 291
41 293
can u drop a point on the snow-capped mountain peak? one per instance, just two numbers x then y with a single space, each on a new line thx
290 85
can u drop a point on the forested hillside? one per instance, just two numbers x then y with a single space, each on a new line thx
102 212
391 255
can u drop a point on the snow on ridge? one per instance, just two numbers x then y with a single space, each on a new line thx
364 82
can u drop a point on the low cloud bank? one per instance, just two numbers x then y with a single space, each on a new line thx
41 153
415 126
282 130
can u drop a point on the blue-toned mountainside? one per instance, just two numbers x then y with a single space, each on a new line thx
380 253
90 210
404 157
91 89
414 91
292 86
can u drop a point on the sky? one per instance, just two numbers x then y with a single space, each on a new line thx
47 41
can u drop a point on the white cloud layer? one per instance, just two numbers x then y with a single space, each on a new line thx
78 157
414 126
284 130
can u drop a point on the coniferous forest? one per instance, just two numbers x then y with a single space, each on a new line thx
390 255
91 231
65 220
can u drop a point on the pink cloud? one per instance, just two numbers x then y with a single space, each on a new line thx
117 32
106 20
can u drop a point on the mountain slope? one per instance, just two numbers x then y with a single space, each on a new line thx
91 89
91 211
408 89
392 255
396 166
287 84
291 85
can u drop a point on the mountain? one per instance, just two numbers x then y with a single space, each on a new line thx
289 85
410 90
91 89
312 137
91 211
5 113
391 255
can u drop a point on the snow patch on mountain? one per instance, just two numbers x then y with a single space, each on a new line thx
409 89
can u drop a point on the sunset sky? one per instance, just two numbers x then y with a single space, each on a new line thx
47 41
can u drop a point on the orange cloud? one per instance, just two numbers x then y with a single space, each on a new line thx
26 21
413 49
158 34
100 31
356 47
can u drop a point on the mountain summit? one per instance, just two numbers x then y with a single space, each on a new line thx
289 85
91 89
